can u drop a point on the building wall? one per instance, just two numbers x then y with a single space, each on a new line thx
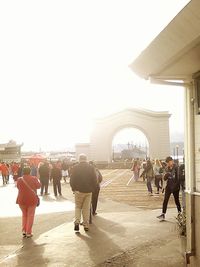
195 261
197 152
192 165
195 219
197 230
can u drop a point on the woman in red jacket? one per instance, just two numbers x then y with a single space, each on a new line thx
27 200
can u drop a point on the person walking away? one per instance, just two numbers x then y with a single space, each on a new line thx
136 169
4 173
149 176
172 187
34 170
9 172
95 193
27 200
158 170
44 173
56 176
83 182
144 165
15 169
64 168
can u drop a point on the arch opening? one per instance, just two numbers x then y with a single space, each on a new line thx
129 143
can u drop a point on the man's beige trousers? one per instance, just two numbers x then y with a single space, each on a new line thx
82 207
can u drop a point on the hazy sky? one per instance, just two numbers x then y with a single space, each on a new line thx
64 63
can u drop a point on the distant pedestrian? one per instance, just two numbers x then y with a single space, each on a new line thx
34 170
136 170
148 174
172 187
65 167
83 182
95 193
158 172
15 171
27 189
4 172
56 176
44 175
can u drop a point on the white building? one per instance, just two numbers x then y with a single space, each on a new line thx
173 58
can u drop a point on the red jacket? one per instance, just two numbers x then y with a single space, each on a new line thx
4 169
15 168
25 195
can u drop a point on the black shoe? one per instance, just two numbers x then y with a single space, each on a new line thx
23 234
76 227
86 229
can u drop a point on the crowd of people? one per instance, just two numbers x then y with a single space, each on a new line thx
168 178
84 178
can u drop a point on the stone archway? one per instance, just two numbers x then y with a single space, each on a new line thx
154 125
131 139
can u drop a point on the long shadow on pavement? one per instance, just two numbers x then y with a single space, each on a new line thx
24 254
100 239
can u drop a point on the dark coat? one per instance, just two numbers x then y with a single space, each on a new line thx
172 178
83 178
44 171
56 174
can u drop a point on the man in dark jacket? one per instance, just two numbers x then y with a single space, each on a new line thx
95 193
44 172
172 187
56 176
83 182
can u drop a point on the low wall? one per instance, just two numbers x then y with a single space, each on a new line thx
114 165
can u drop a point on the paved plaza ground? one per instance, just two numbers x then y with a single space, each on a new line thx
124 233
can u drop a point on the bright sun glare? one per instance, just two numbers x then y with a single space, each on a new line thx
64 63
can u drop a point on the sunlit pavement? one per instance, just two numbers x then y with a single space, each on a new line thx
117 228
48 204
110 234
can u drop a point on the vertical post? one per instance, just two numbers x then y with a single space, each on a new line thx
174 152
177 147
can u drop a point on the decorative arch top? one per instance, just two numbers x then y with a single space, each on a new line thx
154 124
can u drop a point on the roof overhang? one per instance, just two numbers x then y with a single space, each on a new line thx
175 53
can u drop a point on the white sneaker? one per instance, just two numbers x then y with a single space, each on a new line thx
29 235
161 217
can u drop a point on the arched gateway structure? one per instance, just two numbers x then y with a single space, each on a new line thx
154 125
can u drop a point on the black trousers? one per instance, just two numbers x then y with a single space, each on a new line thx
44 184
166 199
56 186
95 196
158 182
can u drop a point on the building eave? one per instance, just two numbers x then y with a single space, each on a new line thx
175 53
